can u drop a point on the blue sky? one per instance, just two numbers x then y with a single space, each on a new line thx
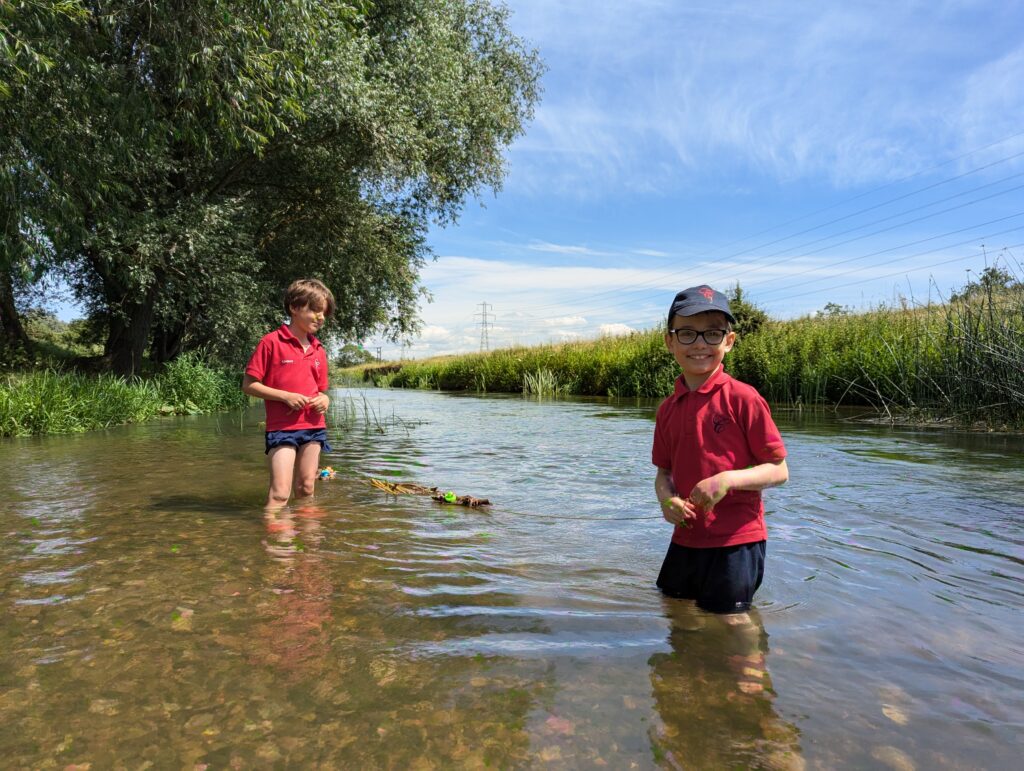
855 153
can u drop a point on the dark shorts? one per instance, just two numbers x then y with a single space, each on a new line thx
721 579
298 438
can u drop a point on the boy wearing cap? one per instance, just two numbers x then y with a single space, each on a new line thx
716 447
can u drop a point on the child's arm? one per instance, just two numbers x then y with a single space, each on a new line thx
675 510
254 387
708 492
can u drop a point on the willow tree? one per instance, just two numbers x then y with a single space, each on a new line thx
228 147
31 34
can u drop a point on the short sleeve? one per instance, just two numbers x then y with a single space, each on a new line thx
259 362
661 452
763 437
321 371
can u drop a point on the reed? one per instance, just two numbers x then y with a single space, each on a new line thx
51 401
541 383
960 361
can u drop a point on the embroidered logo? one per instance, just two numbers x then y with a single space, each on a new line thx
316 363
287 361
708 292
720 422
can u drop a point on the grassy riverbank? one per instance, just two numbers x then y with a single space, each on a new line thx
55 401
961 362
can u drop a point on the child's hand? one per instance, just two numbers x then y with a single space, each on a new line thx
320 403
678 511
708 492
296 402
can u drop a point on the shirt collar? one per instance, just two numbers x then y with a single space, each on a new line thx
717 379
289 337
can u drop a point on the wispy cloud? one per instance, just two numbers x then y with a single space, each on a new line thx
668 94
583 251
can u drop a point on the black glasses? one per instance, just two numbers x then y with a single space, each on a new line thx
688 336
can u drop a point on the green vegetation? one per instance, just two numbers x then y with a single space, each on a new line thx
636 364
50 401
960 361
208 153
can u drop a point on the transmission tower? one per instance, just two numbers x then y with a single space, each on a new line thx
485 343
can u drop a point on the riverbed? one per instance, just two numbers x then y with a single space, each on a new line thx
154 618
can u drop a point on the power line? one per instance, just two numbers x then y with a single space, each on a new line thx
1006 159
894 273
908 244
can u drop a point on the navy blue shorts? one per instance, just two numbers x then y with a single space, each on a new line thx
297 438
722 579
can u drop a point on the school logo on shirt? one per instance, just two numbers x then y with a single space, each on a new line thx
287 361
316 363
719 422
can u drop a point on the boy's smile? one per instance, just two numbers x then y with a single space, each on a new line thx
699 359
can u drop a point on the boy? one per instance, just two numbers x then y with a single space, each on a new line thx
288 370
716 447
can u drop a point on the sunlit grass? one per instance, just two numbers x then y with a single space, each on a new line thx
54 402
960 361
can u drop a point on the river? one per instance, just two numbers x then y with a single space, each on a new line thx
153 619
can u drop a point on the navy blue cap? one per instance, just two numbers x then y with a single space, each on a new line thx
699 299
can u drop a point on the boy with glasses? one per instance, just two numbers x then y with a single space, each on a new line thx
716 447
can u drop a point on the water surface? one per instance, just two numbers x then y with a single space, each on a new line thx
154 618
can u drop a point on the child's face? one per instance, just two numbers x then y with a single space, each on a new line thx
699 359
308 319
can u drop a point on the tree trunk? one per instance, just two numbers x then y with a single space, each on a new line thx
167 343
129 334
13 333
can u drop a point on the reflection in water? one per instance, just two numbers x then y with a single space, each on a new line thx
294 638
714 695
153 618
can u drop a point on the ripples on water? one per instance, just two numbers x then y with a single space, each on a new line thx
153 615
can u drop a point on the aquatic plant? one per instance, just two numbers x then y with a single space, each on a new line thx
51 401
188 385
541 383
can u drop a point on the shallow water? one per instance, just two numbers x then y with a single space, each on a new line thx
152 618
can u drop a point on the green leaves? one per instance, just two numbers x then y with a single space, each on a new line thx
207 153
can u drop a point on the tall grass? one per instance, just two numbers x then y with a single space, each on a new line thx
49 402
54 402
961 361
632 365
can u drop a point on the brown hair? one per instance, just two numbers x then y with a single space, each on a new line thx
308 293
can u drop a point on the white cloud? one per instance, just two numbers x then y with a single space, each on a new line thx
543 246
566 321
613 330
433 333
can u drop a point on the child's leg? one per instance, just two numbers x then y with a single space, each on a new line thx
281 460
306 465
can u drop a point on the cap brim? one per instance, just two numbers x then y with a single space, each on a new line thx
691 309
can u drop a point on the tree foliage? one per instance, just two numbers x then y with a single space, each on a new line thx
208 152
994 278
749 317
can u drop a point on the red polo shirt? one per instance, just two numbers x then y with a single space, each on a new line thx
280 362
723 425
